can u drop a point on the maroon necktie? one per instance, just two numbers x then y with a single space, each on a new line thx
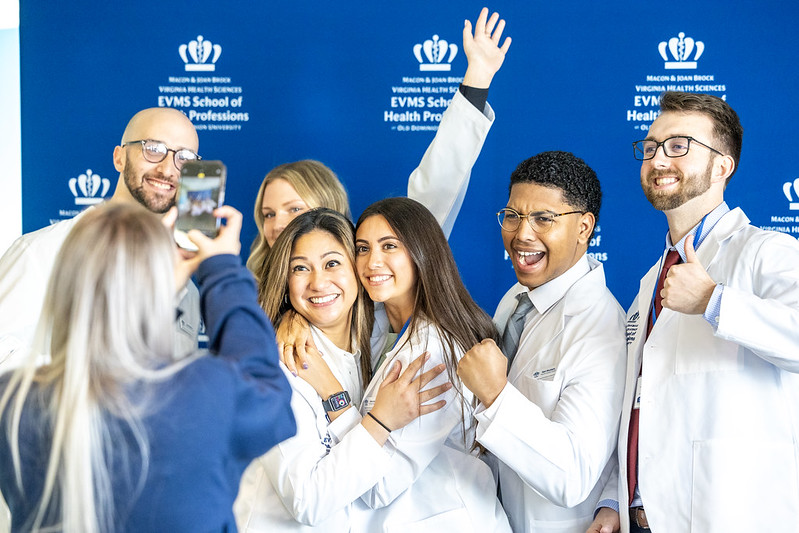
672 258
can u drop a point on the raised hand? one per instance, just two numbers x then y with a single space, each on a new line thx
483 51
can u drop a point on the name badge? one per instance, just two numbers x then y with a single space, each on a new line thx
368 403
546 374
637 403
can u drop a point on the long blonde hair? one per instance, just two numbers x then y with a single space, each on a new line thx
273 293
315 183
106 323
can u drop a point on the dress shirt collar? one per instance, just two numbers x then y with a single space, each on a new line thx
341 361
711 219
548 294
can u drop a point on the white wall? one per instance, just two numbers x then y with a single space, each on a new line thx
10 154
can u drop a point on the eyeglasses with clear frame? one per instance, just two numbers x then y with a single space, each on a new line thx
672 147
156 151
540 221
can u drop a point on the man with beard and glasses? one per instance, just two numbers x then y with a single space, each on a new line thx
154 146
710 422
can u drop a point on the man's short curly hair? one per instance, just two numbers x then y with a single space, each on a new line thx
567 172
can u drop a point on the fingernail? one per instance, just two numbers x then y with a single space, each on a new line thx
305 366
293 373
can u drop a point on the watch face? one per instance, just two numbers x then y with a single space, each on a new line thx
339 402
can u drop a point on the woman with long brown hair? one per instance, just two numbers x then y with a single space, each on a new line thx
436 481
313 481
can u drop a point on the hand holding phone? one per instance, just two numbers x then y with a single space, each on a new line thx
201 189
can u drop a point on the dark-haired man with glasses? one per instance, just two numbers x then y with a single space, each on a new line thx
549 406
709 436
148 176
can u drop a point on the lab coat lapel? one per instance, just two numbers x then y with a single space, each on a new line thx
531 343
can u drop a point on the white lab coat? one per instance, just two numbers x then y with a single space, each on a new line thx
25 270
434 483
315 479
553 428
308 482
442 177
719 415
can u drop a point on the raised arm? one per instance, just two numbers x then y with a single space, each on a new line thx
442 178
240 334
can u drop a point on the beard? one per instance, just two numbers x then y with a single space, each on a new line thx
153 202
689 188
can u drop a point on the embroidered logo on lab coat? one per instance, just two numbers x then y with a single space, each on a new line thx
544 375
632 328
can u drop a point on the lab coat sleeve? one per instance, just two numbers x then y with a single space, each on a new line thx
562 457
315 478
414 446
23 282
442 177
343 424
765 319
610 493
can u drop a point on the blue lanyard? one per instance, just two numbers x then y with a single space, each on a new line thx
698 239
404 327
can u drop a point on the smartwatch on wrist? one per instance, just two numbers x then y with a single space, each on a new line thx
336 402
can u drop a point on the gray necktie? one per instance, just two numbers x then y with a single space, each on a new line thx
515 325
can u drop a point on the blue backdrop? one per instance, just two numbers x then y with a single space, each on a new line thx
268 83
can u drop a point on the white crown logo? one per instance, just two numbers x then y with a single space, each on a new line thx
681 48
435 50
86 186
199 52
786 189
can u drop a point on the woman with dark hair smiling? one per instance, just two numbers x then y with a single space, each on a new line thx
436 481
313 481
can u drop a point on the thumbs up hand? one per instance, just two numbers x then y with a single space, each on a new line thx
688 287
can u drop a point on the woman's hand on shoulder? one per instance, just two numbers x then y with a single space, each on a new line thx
293 340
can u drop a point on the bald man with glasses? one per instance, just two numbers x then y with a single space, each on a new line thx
148 176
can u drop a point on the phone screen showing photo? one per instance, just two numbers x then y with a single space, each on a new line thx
200 192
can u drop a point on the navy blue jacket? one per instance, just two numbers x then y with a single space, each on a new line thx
205 424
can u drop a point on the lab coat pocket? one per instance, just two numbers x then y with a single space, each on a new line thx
733 479
545 394
698 351
454 520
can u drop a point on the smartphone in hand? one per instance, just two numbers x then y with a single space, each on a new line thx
201 190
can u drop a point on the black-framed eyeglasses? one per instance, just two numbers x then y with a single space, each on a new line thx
156 151
672 147
540 221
